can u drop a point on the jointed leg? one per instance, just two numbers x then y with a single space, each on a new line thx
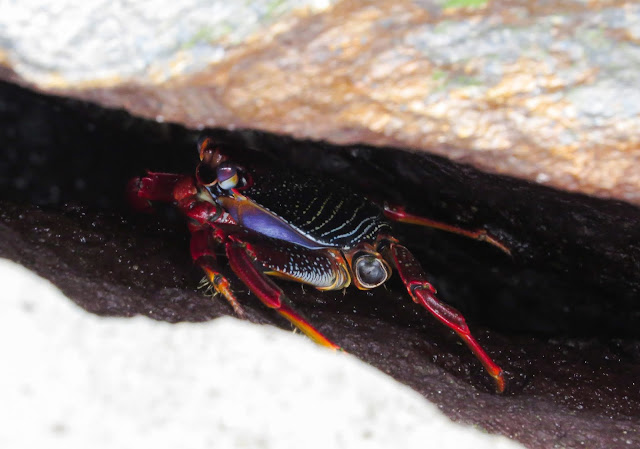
400 215
202 252
423 293
269 293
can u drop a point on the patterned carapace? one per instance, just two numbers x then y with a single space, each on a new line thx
301 227
324 210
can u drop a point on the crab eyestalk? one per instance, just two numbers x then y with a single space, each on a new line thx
227 175
205 175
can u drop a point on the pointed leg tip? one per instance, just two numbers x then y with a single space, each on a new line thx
239 311
501 246
501 383
332 346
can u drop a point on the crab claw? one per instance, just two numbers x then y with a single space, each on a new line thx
134 199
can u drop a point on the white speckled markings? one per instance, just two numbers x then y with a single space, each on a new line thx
71 379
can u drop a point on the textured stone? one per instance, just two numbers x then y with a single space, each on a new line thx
543 91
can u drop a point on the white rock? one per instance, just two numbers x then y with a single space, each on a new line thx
70 379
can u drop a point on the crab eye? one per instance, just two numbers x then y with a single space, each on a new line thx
205 175
370 270
227 174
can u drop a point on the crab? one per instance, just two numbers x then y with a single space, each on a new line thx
305 228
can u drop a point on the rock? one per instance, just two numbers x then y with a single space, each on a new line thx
536 91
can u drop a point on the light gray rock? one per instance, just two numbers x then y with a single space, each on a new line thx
70 379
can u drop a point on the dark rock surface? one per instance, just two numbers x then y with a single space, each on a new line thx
539 90
561 315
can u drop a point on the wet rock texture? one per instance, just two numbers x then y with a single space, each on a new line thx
560 316
545 91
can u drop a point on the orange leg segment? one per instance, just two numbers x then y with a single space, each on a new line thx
202 252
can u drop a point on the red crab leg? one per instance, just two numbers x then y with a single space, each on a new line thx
269 293
169 187
423 293
397 213
202 252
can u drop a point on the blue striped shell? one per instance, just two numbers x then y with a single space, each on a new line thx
321 209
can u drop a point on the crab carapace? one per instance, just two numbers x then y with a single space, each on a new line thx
304 228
